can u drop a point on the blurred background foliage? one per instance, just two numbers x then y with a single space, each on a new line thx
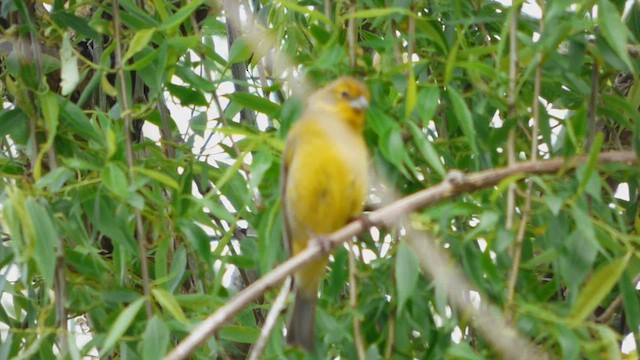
209 90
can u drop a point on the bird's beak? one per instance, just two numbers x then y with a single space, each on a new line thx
360 103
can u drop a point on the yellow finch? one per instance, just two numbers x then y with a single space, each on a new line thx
324 183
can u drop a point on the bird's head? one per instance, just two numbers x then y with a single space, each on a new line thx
347 98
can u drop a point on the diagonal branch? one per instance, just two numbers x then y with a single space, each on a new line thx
456 183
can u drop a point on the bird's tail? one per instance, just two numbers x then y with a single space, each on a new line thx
303 321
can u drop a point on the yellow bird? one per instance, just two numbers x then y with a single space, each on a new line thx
324 182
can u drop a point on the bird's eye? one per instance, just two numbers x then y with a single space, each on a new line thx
344 94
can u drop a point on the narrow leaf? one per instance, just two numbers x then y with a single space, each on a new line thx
46 239
240 51
427 150
406 273
256 103
410 102
463 115
140 41
181 15
614 31
122 323
159 177
597 288
155 340
115 180
169 304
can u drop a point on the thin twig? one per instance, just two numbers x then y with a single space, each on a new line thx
511 104
411 35
456 183
397 50
526 211
239 69
351 33
276 309
353 303
391 335
142 246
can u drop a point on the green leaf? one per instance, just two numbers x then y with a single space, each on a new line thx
597 288
14 122
46 239
198 239
73 116
187 96
373 353
55 179
50 111
115 180
379 12
614 31
427 150
198 123
629 300
428 98
463 116
81 26
240 51
410 102
177 269
407 272
171 24
240 334
140 41
256 103
158 176
169 304
155 340
121 324
591 164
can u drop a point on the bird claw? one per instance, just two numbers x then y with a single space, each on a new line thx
365 221
323 243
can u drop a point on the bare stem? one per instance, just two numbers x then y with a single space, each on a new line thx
142 246
239 69
526 211
511 104
353 302
276 309
351 33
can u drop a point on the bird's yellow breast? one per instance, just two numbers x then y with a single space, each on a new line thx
327 178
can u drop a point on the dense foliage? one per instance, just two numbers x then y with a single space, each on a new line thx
453 87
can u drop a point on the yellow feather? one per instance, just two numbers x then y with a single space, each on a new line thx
324 184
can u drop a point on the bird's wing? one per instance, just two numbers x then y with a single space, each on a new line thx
284 172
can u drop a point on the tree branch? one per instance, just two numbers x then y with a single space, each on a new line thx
456 183
270 321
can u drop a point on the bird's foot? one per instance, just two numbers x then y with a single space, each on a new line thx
322 242
365 221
